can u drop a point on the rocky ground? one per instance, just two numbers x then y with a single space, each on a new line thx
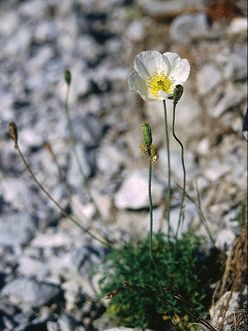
46 262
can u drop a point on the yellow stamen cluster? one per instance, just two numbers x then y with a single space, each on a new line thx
159 82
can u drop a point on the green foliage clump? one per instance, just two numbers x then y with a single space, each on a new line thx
148 301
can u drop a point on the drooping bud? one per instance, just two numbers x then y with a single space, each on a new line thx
67 76
13 132
147 132
178 92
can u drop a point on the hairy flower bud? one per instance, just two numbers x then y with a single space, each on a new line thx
13 132
67 76
147 132
178 92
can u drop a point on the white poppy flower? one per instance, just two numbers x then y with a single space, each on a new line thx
155 75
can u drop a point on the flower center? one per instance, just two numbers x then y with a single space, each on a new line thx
159 82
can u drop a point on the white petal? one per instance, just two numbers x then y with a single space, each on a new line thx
173 58
166 66
137 84
181 72
162 95
148 62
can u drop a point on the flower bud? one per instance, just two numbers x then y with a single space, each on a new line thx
178 92
13 132
147 132
67 76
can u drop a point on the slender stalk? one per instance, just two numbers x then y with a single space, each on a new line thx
151 206
200 213
203 219
93 236
183 166
85 181
167 143
61 175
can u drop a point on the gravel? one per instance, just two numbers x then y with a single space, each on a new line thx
46 262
